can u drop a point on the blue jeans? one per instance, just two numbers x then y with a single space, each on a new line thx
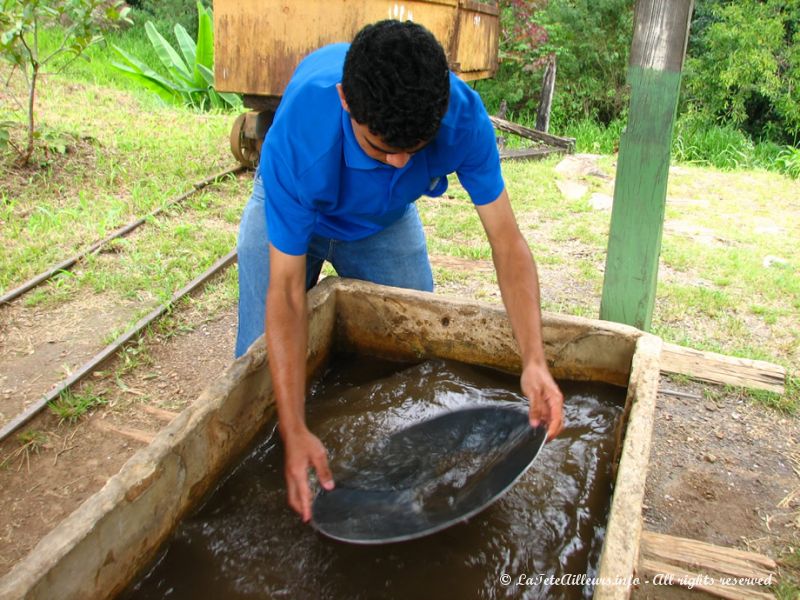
396 256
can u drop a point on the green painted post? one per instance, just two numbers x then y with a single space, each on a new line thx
637 217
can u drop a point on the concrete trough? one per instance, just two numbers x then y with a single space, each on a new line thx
102 546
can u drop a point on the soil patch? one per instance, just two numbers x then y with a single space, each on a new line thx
41 486
64 161
723 470
42 345
45 482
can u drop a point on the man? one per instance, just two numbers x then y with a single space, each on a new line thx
361 132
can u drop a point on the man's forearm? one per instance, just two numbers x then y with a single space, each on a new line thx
519 285
287 342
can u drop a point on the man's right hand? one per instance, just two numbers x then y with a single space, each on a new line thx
303 450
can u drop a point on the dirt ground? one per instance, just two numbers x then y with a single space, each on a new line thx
41 484
722 470
43 344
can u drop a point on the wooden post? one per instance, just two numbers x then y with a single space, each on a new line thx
501 114
546 99
654 74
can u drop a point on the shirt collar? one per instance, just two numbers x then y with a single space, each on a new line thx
354 156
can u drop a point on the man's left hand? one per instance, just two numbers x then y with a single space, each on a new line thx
546 400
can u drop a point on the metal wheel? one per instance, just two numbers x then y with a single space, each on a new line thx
243 148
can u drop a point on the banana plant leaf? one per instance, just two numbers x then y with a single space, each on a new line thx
205 38
138 70
168 56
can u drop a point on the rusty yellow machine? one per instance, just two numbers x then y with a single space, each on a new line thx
259 44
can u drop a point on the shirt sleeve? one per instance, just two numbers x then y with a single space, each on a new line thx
290 221
480 172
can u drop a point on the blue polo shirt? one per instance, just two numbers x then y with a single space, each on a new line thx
318 180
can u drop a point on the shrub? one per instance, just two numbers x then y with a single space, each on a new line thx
744 67
190 73
593 137
696 140
591 41
165 14
788 161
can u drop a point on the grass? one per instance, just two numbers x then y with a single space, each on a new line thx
134 355
789 586
789 402
125 171
96 64
31 441
695 141
714 293
594 138
71 406
115 166
219 293
714 296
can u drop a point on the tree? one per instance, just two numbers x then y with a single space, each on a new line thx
20 24
590 39
744 66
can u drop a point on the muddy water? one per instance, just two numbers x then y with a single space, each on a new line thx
245 543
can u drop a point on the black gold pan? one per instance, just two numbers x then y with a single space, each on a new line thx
429 476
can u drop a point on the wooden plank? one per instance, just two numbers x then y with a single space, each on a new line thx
667 574
463 264
718 368
621 545
697 555
480 7
139 435
637 217
159 413
530 153
478 38
532 134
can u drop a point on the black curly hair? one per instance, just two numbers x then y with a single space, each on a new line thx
396 82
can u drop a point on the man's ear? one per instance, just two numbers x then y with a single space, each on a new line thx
341 97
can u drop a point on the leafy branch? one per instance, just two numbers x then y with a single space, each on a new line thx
20 22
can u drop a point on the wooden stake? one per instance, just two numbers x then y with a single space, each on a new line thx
159 413
533 134
546 99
